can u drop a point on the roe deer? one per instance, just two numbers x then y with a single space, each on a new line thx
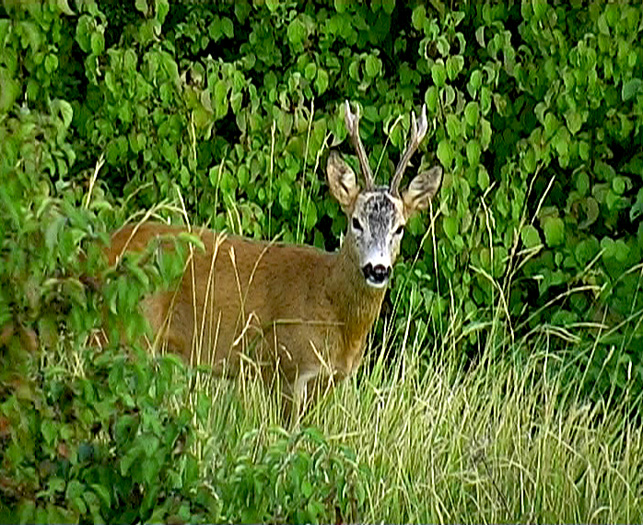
296 309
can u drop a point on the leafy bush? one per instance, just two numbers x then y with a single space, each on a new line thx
109 446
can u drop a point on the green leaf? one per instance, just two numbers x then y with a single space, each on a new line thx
285 195
311 215
193 239
585 250
475 81
485 100
530 236
65 110
30 34
162 9
431 100
272 5
388 6
445 153
582 183
141 5
454 65
574 121
373 66
454 126
296 32
539 7
9 92
619 185
472 113
631 88
637 209
483 178
485 133
49 431
51 63
418 17
592 210
528 161
603 28
310 70
438 73
227 27
129 61
554 230
97 43
450 226
340 5
321 82
63 5
473 152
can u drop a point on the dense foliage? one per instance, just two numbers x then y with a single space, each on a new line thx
223 114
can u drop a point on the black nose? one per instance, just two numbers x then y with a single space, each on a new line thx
376 274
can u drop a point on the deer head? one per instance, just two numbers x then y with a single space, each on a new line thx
377 214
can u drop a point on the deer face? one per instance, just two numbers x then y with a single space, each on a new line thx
377 216
376 227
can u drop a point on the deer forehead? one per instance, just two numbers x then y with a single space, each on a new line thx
379 209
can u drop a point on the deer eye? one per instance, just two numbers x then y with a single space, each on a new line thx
400 230
356 225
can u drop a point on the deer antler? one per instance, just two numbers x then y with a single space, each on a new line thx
418 132
352 125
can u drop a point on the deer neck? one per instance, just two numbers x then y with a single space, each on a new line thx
356 303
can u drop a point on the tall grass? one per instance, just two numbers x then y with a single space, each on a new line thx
499 442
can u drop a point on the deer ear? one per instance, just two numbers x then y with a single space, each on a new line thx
342 180
421 190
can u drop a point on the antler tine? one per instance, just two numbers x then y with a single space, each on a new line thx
418 132
352 125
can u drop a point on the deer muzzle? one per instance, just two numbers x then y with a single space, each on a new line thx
376 275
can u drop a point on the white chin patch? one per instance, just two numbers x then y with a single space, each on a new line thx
374 284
